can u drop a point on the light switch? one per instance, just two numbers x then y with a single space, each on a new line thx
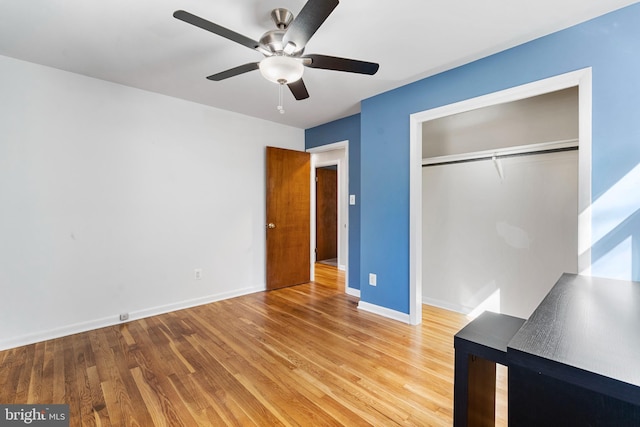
352 199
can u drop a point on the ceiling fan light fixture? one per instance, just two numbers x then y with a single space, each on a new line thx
281 69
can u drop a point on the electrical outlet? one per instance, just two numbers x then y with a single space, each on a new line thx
197 274
124 316
373 279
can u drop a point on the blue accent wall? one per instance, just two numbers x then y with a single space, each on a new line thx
347 128
610 44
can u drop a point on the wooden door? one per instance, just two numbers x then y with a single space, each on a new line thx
288 217
326 214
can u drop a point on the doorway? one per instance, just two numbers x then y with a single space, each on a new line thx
327 215
327 157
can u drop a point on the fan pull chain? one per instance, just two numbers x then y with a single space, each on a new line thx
280 96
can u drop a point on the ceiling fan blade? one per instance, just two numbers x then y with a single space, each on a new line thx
215 28
310 18
299 90
234 71
341 64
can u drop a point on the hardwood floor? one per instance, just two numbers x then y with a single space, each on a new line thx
303 355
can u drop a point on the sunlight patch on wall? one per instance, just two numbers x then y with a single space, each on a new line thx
491 303
613 215
616 205
616 263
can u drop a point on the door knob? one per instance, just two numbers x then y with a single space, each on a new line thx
271 225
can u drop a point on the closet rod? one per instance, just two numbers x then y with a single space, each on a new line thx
503 156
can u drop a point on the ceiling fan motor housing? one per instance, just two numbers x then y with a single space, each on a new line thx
272 40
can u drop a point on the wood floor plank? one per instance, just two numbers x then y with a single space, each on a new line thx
321 340
57 382
34 392
125 404
297 356
223 383
84 357
151 375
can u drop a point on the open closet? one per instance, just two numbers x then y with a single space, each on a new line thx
500 203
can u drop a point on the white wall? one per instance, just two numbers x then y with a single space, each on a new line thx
500 241
111 196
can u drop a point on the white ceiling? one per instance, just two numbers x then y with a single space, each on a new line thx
138 43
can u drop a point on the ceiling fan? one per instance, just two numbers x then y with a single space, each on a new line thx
283 47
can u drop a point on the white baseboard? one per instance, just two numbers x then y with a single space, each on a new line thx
63 331
447 305
75 328
342 267
154 311
385 312
352 291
